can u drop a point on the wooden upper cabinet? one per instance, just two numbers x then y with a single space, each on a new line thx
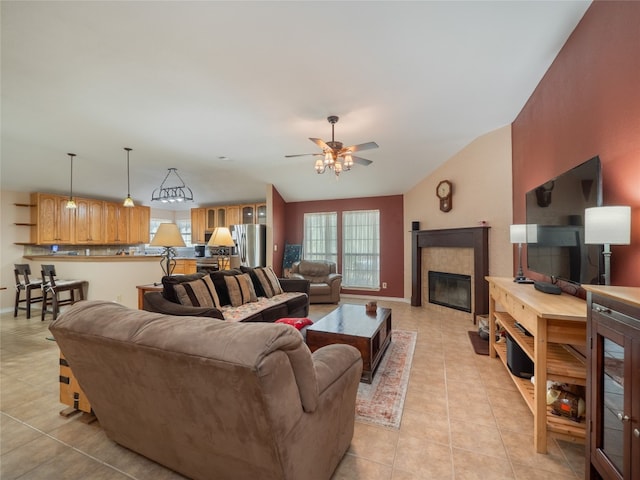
116 223
139 218
221 217
89 221
198 224
211 215
248 213
233 215
54 223
261 213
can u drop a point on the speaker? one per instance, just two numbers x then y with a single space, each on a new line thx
415 226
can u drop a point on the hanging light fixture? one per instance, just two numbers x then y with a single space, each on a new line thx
71 202
128 202
171 194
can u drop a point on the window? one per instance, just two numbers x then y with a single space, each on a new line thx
184 226
361 249
321 236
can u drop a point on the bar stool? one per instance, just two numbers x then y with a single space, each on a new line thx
52 287
25 284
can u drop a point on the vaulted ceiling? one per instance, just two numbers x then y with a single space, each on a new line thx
224 90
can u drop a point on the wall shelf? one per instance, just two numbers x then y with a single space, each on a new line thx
25 224
24 204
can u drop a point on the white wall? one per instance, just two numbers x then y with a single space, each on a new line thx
482 191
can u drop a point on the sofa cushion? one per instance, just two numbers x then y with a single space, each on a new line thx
313 269
240 288
269 281
169 283
254 278
198 293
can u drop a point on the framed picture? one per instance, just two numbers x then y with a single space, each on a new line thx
292 253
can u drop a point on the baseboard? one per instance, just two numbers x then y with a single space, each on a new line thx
373 297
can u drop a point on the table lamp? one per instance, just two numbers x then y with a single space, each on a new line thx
168 236
607 226
522 234
221 237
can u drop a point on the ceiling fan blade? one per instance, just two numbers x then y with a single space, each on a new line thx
302 155
362 146
320 143
361 161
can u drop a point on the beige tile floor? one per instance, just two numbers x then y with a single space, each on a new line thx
463 418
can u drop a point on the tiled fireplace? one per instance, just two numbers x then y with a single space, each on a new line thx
463 254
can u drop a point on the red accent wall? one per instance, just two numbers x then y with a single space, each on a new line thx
587 104
391 234
278 209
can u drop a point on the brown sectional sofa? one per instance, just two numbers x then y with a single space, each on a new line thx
212 399
293 302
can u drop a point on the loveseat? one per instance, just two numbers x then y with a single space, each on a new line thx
212 399
325 282
266 303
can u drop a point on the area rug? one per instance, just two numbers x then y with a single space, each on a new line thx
480 346
382 401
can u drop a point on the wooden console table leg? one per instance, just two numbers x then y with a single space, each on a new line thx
540 387
492 327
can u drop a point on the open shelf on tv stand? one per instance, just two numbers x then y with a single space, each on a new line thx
554 322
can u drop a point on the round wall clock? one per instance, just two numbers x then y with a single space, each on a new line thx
444 191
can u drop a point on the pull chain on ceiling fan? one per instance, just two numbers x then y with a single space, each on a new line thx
337 157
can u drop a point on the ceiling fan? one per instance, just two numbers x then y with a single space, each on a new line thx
337 157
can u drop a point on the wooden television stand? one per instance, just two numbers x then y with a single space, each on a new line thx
554 321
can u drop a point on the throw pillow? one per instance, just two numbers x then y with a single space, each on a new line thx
298 323
240 289
269 281
199 293
221 286
257 286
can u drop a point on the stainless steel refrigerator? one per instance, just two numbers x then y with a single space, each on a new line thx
251 242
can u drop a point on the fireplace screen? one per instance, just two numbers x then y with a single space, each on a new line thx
450 290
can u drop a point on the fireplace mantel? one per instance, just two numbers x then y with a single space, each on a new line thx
472 237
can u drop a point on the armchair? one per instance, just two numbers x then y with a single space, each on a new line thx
325 282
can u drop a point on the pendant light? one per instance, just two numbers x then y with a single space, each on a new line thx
128 202
71 202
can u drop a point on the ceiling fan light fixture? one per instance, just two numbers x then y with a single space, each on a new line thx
319 166
348 161
337 168
328 158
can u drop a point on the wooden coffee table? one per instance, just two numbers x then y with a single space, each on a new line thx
352 325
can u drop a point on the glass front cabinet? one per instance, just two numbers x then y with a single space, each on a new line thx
613 385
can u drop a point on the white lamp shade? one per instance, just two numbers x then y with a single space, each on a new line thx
524 233
168 235
221 237
518 233
607 225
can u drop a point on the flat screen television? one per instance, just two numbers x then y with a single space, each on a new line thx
556 208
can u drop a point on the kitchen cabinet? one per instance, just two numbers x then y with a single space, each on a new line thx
233 215
261 213
248 213
211 215
89 222
184 266
221 216
198 225
116 223
613 384
139 218
53 222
